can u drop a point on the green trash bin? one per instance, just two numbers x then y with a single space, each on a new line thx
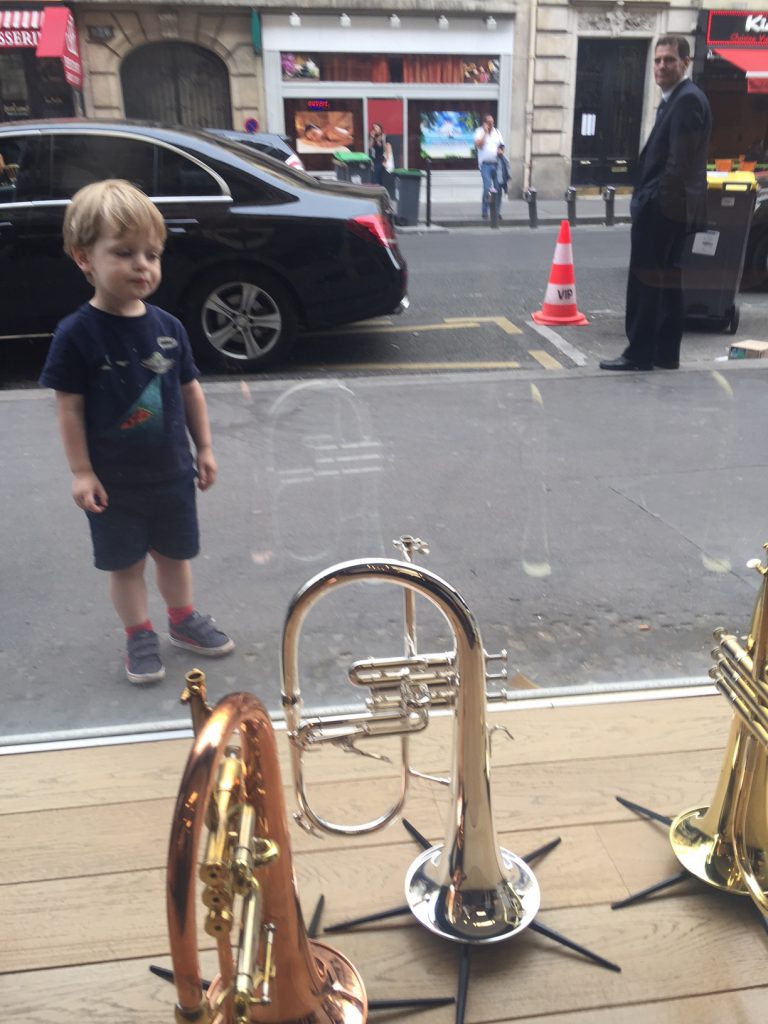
407 189
353 167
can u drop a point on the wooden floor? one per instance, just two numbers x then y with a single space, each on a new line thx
83 837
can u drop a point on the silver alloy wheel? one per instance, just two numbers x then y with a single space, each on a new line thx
242 321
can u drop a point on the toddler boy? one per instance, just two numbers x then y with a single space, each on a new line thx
126 394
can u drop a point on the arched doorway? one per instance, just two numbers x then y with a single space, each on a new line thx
176 83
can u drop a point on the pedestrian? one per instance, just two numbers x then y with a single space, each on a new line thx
380 152
502 176
126 394
668 203
487 142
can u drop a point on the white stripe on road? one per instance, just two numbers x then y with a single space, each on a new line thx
560 343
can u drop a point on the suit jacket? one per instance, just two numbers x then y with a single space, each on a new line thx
671 171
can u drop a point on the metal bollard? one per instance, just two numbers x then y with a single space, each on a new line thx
429 193
609 195
529 195
570 198
493 209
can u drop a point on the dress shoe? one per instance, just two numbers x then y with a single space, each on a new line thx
668 366
622 363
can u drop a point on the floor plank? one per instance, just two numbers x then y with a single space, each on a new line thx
83 840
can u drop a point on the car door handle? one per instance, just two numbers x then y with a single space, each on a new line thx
179 225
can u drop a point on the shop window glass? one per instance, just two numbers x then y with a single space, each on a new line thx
14 95
80 159
435 69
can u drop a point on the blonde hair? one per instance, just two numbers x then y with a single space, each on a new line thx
113 204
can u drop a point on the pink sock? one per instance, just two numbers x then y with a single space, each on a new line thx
177 615
132 630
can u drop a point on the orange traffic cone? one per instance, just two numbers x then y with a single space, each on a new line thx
559 306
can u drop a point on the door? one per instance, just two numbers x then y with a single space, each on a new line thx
608 107
176 83
18 191
188 195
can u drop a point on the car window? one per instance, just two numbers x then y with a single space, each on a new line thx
178 176
79 159
14 164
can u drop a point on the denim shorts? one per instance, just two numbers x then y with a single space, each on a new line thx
161 516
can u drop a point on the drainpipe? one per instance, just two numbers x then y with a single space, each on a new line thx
528 147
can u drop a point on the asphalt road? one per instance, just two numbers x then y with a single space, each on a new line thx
472 293
598 525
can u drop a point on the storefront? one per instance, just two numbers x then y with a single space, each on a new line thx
428 81
41 72
732 69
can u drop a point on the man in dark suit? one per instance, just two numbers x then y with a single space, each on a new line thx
669 202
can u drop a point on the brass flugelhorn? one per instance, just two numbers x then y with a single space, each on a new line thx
726 844
275 974
468 888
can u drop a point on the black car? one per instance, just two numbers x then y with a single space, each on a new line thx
276 146
255 249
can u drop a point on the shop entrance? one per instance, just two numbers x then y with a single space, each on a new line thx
176 83
608 108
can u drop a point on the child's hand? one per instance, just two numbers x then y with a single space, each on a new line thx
88 492
206 468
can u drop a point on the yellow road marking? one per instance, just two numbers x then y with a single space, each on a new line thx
417 366
397 328
501 321
545 359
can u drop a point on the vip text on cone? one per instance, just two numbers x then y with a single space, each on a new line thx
559 306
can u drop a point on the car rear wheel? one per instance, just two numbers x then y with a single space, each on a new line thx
244 319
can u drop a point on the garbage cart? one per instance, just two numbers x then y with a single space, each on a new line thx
353 167
714 259
407 189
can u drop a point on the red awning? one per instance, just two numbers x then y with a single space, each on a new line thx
754 61
19 29
58 38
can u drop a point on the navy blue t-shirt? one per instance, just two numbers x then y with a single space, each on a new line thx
130 371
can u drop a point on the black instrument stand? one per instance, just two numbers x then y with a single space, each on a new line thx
666 883
466 947
373 1004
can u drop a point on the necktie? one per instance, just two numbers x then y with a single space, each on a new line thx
660 111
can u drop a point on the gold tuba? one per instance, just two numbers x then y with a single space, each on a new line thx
277 974
726 844
467 889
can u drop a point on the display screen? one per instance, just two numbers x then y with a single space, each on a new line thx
447 134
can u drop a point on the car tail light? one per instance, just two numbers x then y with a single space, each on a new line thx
377 225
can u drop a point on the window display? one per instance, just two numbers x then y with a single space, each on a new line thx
448 134
318 131
428 69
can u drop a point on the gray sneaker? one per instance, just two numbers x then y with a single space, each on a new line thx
199 633
142 658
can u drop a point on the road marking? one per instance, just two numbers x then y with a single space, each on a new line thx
394 328
564 346
449 323
501 321
414 366
547 361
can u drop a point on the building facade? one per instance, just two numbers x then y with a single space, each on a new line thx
570 84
